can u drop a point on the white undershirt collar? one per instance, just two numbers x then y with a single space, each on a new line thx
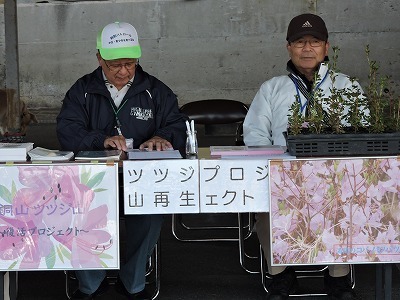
117 95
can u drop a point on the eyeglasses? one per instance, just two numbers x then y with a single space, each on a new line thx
315 43
117 67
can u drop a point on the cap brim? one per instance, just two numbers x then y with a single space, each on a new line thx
118 53
299 35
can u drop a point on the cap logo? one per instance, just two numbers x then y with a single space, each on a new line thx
121 38
306 24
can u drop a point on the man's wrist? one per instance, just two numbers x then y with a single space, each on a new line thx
104 142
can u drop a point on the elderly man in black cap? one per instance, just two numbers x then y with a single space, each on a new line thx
267 119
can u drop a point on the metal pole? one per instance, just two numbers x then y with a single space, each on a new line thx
1 285
388 281
11 62
12 88
379 293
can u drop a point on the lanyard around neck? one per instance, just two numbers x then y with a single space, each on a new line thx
308 97
118 126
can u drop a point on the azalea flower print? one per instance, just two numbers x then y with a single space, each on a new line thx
54 217
335 210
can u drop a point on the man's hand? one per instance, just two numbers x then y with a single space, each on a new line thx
157 143
115 142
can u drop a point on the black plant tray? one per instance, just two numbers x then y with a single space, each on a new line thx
16 138
368 144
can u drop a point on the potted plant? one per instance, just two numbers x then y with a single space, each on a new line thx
349 121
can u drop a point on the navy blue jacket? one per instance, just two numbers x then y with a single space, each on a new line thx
149 108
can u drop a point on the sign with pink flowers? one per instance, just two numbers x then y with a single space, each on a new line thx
59 216
337 210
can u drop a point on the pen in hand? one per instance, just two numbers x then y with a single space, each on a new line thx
119 130
117 141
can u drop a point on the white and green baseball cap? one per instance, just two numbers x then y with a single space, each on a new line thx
118 40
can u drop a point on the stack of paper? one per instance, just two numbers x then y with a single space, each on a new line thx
14 151
44 154
99 155
219 151
145 154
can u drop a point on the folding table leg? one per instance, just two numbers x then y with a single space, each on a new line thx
387 281
383 282
2 285
8 285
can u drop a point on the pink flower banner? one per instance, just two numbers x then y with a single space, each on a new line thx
59 216
337 210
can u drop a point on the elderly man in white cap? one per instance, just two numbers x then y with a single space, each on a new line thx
116 102
267 119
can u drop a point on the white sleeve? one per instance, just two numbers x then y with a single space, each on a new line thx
257 124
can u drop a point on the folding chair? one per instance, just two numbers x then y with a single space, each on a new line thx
248 244
313 275
218 122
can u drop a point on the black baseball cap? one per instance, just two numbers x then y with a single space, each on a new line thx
307 24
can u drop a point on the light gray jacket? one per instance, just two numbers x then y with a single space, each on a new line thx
267 118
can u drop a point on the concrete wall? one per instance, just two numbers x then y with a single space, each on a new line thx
201 49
